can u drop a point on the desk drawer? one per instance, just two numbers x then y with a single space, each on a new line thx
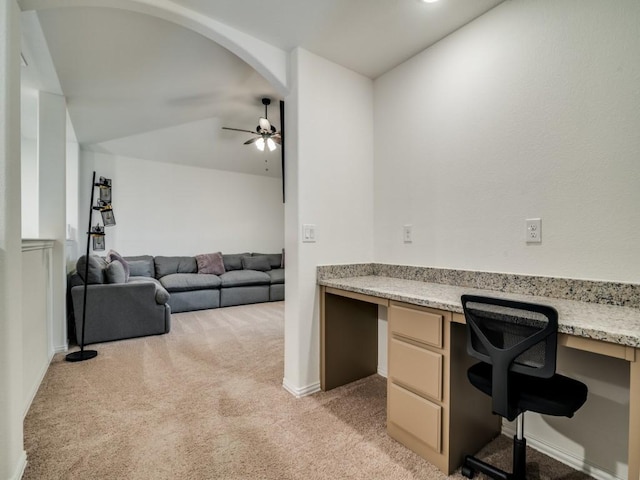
414 414
416 368
419 325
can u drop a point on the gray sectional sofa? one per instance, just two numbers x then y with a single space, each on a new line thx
135 296
247 278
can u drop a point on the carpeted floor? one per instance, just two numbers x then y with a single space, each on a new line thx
206 402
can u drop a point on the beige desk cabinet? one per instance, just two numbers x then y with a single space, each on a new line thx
431 407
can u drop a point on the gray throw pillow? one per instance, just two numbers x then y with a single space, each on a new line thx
210 263
96 269
260 263
113 256
115 272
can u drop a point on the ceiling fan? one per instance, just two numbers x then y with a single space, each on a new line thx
267 134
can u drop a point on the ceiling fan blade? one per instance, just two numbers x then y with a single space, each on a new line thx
252 140
239 130
265 125
276 139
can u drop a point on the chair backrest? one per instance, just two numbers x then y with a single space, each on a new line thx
512 337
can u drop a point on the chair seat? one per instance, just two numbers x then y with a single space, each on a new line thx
559 395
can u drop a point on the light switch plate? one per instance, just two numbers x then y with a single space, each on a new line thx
308 233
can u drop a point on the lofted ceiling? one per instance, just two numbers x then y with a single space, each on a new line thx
142 87
367 36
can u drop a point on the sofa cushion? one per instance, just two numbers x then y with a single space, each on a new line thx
210 263
168 265
114 256
242 278
141 266
115 272
275 259
276 275
183 282
233 261
260 263
162 296
96 269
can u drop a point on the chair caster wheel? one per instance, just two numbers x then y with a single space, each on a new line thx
468 472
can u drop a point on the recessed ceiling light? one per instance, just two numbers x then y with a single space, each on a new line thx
429 1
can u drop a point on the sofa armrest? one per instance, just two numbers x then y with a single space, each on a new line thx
121 310
105 294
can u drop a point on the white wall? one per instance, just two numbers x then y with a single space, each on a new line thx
73 181
52 152
529 111
168 209
72 165
329 147
12 454
29 188
37 316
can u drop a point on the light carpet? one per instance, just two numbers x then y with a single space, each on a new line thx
206 402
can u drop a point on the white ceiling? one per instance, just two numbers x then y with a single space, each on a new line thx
367 36
143 87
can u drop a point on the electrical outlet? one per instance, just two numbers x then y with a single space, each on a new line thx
407 233
534 230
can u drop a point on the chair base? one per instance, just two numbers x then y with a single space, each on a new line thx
471 464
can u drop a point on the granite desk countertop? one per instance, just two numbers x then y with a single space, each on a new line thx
620 325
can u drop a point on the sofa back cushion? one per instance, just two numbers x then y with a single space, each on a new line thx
96 267
141 266
259 263
168 265
275 259
233 261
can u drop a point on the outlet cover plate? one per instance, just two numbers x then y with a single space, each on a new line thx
534 230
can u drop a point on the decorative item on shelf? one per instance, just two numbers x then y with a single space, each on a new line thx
105 189
97 236
106 210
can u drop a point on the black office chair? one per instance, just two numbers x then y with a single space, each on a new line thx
516 343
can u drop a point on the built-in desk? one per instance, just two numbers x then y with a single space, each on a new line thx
349 312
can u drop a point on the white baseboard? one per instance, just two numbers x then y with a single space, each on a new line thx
36 386
301 392
568 458
61 348
382 371
20 466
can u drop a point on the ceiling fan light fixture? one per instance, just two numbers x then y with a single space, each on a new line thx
267 134
264 124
